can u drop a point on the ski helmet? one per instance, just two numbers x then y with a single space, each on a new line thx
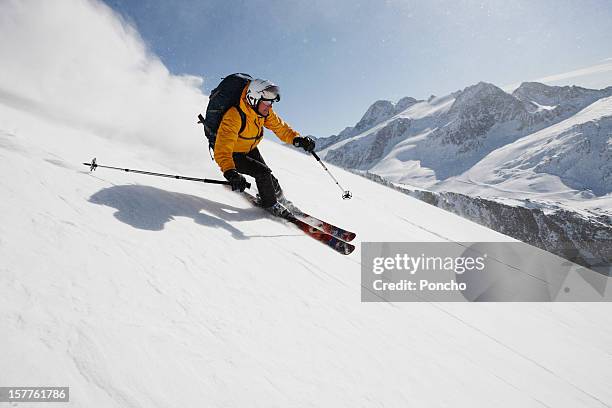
262 89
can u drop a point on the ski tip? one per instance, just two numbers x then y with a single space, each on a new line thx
351 236
343 248
349 249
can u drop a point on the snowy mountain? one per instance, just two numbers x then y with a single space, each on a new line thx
138 291
570 162
433 141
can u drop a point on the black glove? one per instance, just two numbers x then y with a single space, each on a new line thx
236 180
305 143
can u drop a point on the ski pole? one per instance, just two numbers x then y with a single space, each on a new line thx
93 165
346 195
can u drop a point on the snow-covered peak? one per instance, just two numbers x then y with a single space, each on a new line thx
376 113
379 112
405 103
479 89
553 96
382 110
487 103
475 94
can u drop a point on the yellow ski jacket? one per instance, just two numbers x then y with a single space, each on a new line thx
229 141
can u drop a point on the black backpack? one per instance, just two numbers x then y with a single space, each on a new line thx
222 98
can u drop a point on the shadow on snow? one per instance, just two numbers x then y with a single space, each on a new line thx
150 208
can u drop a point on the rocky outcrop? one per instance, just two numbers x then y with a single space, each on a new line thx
583 239
378 112
359 155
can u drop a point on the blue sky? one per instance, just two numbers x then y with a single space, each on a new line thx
333 59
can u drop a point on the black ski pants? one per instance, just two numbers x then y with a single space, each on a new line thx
253 164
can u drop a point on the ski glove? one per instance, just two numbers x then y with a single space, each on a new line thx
305 143
236 180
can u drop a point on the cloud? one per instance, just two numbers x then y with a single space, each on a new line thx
595 76
79 62
579 73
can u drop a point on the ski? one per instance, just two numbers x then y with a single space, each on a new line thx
331 241
336 244
325 226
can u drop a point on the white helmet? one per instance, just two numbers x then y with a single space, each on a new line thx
262 89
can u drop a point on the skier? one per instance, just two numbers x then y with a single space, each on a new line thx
236 151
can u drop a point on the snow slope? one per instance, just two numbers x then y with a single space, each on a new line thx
146 292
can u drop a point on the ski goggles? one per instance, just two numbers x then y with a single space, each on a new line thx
267 102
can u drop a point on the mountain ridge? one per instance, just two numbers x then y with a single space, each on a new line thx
445 143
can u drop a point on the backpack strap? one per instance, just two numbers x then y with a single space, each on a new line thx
243 126
242 119
211 148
